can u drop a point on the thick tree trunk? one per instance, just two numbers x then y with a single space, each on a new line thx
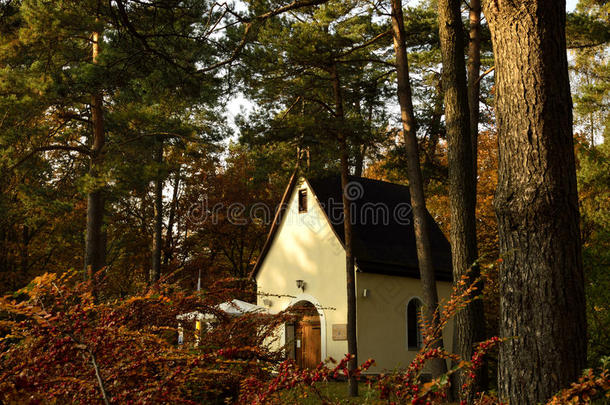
474 86
352 345
95 250
470 322
416 188
542 301
155 269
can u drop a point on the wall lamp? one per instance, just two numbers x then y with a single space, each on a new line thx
301 284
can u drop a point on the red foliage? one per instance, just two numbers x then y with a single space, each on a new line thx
409 386
289 376
60 346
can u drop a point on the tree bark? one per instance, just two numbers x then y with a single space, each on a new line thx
352 345
155 269
542 302
95 251
469 323
474 84
416 188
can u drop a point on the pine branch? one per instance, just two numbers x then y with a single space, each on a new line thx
68 148
588 45
250 24
365 44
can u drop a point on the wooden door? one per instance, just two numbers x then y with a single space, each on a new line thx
308 351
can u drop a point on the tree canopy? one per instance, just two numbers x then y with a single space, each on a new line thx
124 165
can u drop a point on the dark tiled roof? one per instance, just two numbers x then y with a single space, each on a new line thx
383 235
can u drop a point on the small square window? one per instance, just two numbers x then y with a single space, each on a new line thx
303 200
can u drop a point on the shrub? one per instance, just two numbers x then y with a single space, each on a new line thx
59 345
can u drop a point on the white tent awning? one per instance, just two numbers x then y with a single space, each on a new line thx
233 308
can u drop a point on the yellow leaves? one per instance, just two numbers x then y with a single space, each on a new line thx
11 336
42 280
138 298
6 325
69 379
22 308
428 386
588 387
462 364
150 297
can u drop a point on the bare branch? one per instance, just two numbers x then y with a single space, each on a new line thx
259 19
323 104
589 45
164 135
290 108
98 376
249 25
100 382
371 60
485 73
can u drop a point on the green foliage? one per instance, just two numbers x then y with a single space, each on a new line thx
587 27
290 76
146 72
160 94
588 35
593 180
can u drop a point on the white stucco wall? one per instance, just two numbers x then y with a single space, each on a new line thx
306 248
381 319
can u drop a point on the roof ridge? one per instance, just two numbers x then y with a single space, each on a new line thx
379 237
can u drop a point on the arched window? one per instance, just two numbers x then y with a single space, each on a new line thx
414 337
